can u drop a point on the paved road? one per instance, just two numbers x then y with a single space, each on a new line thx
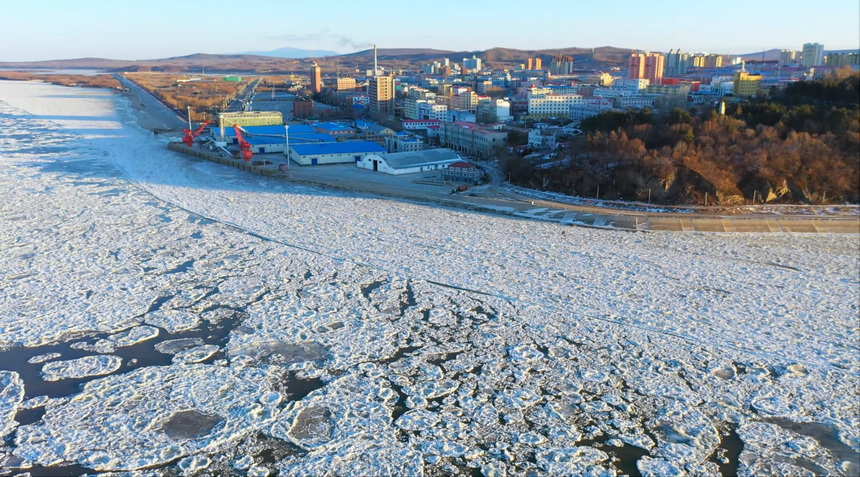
495 197
157 115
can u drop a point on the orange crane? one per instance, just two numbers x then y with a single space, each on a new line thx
244 145
190 135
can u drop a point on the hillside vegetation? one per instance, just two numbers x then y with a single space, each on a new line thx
802 145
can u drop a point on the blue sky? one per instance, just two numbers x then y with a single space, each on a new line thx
137 29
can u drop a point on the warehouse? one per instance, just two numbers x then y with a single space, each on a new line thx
332 152
299 134
409 162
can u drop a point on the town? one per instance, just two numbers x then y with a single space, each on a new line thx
398 120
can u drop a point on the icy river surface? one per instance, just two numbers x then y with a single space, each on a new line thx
162 315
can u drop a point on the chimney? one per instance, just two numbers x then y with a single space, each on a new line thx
374 61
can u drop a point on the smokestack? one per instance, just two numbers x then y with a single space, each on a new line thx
374 61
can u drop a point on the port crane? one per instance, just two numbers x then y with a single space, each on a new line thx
190 135
244 145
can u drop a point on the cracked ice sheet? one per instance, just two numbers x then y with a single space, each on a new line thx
653 340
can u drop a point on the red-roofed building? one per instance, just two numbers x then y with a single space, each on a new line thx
463 172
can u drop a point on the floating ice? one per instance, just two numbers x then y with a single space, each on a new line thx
41 358
196 354
81 367
11 397
148 417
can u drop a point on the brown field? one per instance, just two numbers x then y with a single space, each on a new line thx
205 96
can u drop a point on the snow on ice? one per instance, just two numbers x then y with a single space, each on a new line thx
367 335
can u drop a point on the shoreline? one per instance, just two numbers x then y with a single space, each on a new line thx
517 202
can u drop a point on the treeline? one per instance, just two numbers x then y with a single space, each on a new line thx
800 145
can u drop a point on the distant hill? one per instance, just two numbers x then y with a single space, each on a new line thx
288 52
389 57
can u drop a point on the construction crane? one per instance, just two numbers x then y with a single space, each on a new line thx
244 145
190 135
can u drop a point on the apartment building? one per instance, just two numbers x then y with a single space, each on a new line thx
470 138
543 102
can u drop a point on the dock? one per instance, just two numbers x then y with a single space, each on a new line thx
266 170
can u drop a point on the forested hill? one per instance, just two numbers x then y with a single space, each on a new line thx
800 145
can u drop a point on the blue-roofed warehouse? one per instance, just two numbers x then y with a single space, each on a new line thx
332 152
270 139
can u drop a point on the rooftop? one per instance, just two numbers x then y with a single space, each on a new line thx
402 160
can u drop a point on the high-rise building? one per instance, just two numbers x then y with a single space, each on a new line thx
646 65
473 63
381 93
316 78
813 54
676 63
346 84
561 65
538 64
713 61
531 64
787 57
842 59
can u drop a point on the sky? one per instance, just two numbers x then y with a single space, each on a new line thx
36 30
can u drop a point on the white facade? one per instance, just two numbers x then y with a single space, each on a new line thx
631 84
589 108
456 115
638 101
541 139
813 54
543 102
431 110
409 162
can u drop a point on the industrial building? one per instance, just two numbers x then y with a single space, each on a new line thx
332 152
249 118
409 162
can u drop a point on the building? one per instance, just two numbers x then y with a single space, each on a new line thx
472 139
419 124
589 108
332 152
561 65
713 61
303 108
249 118
788 57
493 110
747 84
813 55
842 59
472 64
409 162
464 99
431 110
373 132
646 65
543 102
346 84
381 92
336 130
542 139
316 78
463 172
403 142
636 101
676 63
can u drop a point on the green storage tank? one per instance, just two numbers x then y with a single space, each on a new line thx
235 79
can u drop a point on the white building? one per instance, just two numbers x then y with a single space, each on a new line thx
333 152
472 63
543 102
541 139
403 142
631 84
636 102
431 110
409 162
813 54
589 108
